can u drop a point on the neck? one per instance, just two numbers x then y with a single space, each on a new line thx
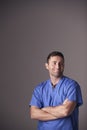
54 80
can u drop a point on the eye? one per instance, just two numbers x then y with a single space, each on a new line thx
54 62
61 64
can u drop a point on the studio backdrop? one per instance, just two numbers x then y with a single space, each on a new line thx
29 31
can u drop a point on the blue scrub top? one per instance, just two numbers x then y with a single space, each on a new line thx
45 95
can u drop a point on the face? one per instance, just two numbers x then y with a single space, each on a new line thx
55 66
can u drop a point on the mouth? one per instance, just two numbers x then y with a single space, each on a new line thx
57 70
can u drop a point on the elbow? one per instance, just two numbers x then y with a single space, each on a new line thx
67 113
32 116
32 113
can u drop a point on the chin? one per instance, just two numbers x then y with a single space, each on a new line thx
59 75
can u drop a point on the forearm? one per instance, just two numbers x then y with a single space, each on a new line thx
62 110
39 114
58 111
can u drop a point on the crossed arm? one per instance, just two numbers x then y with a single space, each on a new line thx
51 113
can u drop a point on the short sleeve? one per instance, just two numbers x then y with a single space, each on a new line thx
36 98
74 93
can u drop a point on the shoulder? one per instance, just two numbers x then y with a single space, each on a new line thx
70 82
42 85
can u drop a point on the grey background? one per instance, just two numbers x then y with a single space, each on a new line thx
28 32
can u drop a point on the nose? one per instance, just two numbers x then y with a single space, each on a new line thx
57 66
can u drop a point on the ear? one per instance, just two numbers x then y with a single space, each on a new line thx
46 65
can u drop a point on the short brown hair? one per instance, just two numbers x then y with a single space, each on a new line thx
55 53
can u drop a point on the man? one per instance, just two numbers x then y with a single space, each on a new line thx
55 102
